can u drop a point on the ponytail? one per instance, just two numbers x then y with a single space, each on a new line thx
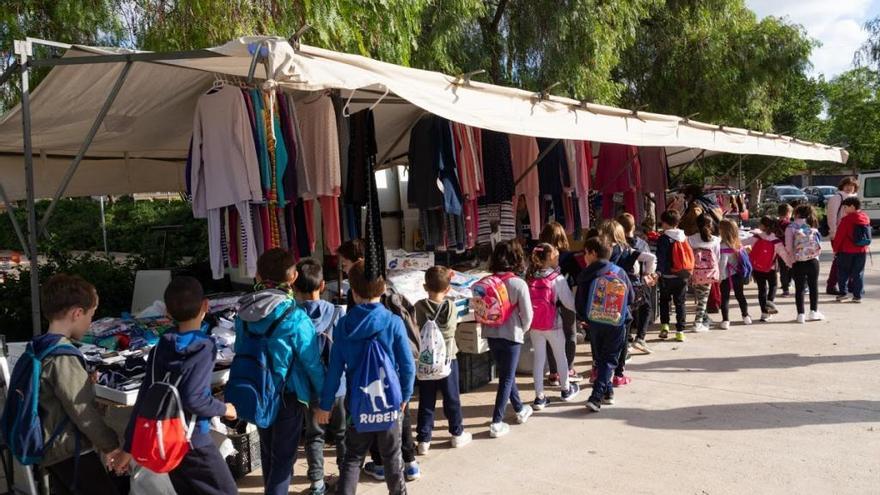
540 259
704 225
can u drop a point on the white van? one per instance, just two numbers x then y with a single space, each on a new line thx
869 193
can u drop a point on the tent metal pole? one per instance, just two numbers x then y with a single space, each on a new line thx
15 225
536 162
12 69
127 57
23 49
397 141
85 145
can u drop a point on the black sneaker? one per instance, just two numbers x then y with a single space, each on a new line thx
608 400
573 391
594 406
540 403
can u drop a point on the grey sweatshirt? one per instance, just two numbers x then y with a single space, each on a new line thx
514 329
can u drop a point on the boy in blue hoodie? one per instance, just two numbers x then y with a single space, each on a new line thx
606 340
309 285
188 353
369 319
293 343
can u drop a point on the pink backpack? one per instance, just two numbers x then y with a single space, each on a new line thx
490 301
543 301
705 267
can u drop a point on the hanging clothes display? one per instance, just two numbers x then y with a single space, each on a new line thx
553 178
523 153
469 157
495 212
374 255
617 178
654 174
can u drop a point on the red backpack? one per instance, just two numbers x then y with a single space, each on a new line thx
682 259
490 301
763 255
543 301
161 435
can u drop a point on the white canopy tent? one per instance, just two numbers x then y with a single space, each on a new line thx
114 121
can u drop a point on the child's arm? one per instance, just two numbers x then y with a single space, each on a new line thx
308 352
195 385
580 303
523 302
650 262
783 254
563 293
789 241
76 393
334 370
406 366
452 322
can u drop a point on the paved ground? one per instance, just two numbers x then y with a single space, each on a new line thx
770 408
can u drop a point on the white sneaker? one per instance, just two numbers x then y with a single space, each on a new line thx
461 440
765 317
498 430
801 318
816 316
424 447
747 320
724 325
524 414
700 328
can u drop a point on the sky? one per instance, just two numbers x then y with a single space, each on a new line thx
837 24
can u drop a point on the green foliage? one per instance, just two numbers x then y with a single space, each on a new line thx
113 280
854 115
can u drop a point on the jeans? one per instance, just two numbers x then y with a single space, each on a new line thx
505 353
317 434
408 444
736 283
203 471
806 273
448 388
784 275
89 476
356 447
608 341
673 289
569 330
851 273
541 340
701 293
278 444
766 288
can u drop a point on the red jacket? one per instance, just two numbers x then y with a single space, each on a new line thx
843 240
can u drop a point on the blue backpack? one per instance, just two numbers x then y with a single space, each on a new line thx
375 396
21 423
252 388
862 235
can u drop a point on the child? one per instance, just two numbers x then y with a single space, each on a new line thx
349 253
548 290
846 188
67 394
784 218
802 244
444 313
554 234
731 272
368 320
851 245
707 254
506 338
607 322
293 343
187 354
768 252
309 285
643 304
673 283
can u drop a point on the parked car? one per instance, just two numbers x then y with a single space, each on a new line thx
784 194
869 193
819 195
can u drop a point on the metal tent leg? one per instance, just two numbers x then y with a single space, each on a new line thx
15 225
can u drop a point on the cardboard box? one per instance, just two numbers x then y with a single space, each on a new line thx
469 338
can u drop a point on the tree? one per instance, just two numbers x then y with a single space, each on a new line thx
869 54
853 108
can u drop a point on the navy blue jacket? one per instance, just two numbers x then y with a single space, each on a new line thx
189 355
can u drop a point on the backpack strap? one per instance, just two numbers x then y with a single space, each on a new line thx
274 325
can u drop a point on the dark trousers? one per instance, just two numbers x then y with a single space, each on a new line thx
639 324
673 289
806 274
608 341
203 471
766 288
356 447
505 353
736 283
569 328
408 443
448 388
851 273
784 275
831 285
317 435
278 445
89 476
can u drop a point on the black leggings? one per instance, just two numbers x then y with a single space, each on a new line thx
766 288
736 283
806 273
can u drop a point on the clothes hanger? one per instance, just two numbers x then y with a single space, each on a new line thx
346 111
374 105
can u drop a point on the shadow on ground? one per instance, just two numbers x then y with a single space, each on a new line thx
737 363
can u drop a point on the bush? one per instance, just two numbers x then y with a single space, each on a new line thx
113 280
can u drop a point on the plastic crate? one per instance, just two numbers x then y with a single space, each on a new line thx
475 370
247 446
